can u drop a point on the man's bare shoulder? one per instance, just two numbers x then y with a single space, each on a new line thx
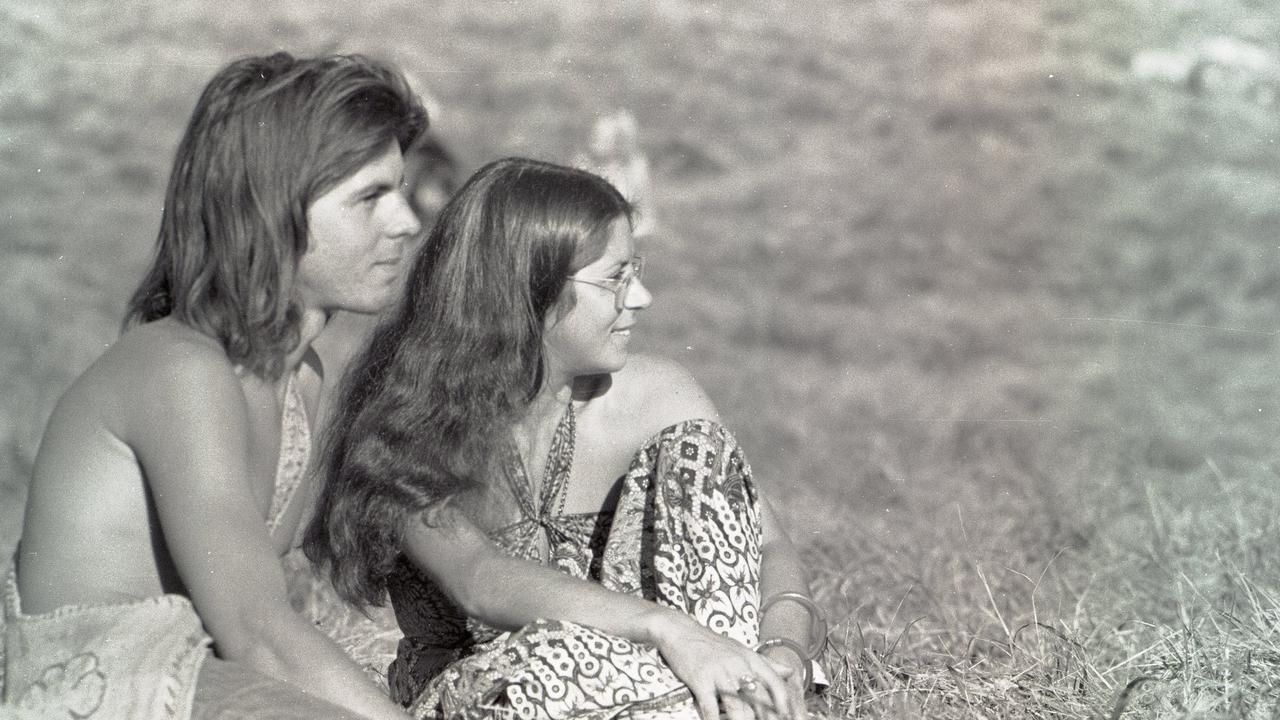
148 369
129 404
165 343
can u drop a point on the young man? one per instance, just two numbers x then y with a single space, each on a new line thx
430 178
168 482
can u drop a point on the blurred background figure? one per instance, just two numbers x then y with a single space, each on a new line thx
613 152
1216 64
430 177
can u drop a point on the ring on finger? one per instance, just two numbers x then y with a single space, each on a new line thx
748 683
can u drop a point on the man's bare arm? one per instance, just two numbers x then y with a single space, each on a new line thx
191 437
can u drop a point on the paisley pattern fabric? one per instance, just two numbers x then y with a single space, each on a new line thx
295 451
685 534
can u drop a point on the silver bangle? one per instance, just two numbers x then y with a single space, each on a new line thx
817 621
806 664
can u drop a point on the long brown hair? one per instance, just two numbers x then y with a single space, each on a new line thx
425 409
268 136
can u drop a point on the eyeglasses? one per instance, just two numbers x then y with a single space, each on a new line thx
619 283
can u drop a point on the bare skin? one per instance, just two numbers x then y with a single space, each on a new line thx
157 468
619 403
347 333
113 422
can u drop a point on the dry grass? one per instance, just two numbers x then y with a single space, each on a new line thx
1166 614
994 318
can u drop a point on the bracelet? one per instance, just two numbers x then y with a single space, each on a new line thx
817 621
805 663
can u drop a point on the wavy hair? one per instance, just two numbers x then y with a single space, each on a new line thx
427 407
268 136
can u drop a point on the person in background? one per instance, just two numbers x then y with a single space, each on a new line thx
170 479
564 529
613 152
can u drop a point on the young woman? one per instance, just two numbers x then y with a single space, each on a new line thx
564 530
169 480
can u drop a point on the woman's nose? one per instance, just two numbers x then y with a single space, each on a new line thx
638 296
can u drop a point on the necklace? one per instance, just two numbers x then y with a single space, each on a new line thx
559 465
557 468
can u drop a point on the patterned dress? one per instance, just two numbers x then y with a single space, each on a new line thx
685 534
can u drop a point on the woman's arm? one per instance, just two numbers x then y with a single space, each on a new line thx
459 558
190 433
781 571
669 394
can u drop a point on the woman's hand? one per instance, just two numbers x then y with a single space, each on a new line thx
723 674
784 657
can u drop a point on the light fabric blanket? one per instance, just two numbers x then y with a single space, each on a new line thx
136 659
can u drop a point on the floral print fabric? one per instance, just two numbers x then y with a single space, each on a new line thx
685 534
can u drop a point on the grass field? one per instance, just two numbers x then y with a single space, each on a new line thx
994 317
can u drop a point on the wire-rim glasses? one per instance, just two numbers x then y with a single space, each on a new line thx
620 283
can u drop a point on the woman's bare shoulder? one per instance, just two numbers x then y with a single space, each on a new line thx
656 392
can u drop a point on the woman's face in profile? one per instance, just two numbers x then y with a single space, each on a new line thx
592 336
